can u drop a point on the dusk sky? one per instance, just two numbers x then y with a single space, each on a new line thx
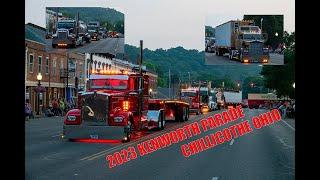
170 23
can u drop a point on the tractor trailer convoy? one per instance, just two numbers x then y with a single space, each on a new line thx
242 40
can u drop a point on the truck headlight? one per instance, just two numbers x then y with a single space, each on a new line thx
118 119
71 118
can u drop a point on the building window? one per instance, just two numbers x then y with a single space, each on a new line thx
47 65
31 63
39 64
54 64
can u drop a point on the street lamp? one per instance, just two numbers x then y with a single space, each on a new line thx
293 85
276 34
39 78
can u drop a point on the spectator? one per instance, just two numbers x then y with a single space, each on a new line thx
293 110
55 106
28 110
283 108
62 107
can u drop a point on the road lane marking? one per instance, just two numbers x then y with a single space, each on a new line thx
107 151
284 144
232 141
289 125
56 135
214 178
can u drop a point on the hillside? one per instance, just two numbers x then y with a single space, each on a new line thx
92 13
181 61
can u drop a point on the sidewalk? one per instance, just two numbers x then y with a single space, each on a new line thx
43 117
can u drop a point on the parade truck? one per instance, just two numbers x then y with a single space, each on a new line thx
233 98
220 98
213 105
116 105
70 33
242 40
167 110
113 34
192 96
93 29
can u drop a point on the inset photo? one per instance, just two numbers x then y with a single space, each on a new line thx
245 39
85 29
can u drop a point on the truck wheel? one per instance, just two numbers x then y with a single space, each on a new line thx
187 114
161 124
184 114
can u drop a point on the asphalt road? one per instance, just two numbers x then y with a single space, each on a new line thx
107 45
267 153
212 59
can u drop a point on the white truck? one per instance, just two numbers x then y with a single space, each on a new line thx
232 98
213 104
242 40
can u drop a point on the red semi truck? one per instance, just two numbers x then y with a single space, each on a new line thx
192 96
117 104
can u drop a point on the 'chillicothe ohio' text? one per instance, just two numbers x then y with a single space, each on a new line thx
196 128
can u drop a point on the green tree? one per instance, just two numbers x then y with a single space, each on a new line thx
272 25
119 27
281 78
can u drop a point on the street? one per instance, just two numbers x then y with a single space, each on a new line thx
267 153
107 45
212 59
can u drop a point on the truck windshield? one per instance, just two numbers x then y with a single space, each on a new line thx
188 94
153 115
92 28
65 25
252 37
110 84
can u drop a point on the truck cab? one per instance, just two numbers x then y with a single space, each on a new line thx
66 35
192 96
250 42
110 108
93 30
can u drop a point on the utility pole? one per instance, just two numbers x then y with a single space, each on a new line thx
261 24
140 84
189 80
25 75
49 88
169 85
67 76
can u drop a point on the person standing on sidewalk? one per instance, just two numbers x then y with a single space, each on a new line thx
62 107
55 106
28 110
283 109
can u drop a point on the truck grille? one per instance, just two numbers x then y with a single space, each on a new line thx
95 109
62 35
256 48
